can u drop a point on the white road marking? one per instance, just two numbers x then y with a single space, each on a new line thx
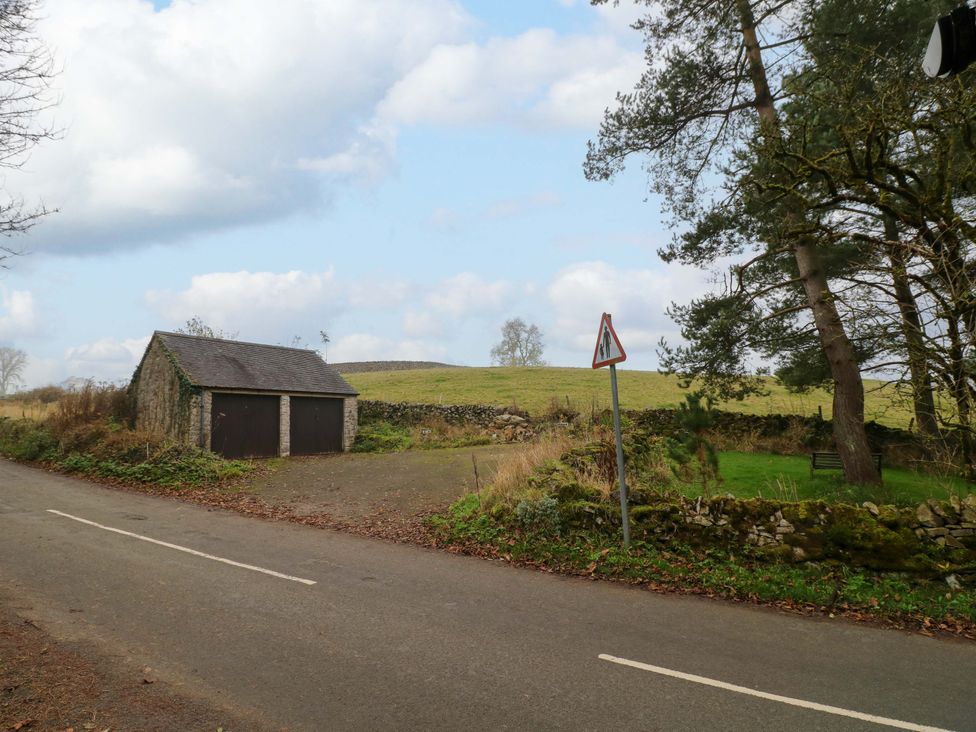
179 548
827 709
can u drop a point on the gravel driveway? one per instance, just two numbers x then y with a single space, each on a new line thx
352 486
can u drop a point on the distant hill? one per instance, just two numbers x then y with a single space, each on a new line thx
360 367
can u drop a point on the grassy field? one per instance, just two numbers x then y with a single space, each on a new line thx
17 409
534 389
787 477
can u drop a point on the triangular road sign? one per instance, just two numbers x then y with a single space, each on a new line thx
608 349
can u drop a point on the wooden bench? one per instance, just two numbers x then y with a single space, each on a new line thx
831 461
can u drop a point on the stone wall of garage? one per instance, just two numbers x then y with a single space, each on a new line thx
284 426
350 422
164 405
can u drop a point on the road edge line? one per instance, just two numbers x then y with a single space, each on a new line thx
185 549
816 706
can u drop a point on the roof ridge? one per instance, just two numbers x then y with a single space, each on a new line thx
231 340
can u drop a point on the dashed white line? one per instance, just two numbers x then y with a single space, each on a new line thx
187 550
826 708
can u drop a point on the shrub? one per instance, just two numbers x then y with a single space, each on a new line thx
42 394
25 439
158 464
382 437
689 443
540 515
78 463
91 404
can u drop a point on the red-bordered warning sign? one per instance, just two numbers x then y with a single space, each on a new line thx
608 349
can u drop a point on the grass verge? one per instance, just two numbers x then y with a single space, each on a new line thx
788 477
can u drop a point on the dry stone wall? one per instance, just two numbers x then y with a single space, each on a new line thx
929 538
409 413
816 433
501 424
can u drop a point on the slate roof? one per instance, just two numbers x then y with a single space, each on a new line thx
224 364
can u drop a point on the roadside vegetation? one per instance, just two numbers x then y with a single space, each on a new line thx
529 537
695 510
535 389
89 432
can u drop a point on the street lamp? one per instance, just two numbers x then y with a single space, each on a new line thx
952 46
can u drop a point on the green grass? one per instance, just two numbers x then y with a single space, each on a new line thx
534 389
748 475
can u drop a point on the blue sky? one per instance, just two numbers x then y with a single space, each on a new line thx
404 174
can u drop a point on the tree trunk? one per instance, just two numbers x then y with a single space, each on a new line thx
918 365
848 421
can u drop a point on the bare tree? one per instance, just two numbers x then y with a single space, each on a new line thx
26 71
12 363
196 327
325 342
521 345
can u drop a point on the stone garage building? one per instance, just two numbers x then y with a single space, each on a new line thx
242 399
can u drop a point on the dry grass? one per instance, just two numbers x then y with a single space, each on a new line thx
592 476
18 409
437 432
512 476
91 404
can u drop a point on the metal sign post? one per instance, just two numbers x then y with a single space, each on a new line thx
609 352
625 519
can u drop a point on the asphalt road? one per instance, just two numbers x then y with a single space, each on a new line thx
397 637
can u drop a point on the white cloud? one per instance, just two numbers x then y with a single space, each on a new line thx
579 99
18 315
536 78
421 324
367 158
367 347
217 112
255 301
637 299
106 359
468 294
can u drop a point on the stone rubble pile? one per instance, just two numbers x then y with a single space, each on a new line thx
511 428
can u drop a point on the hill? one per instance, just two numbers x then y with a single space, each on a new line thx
534 390
360 367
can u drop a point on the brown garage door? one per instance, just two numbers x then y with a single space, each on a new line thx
316 425
244 425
